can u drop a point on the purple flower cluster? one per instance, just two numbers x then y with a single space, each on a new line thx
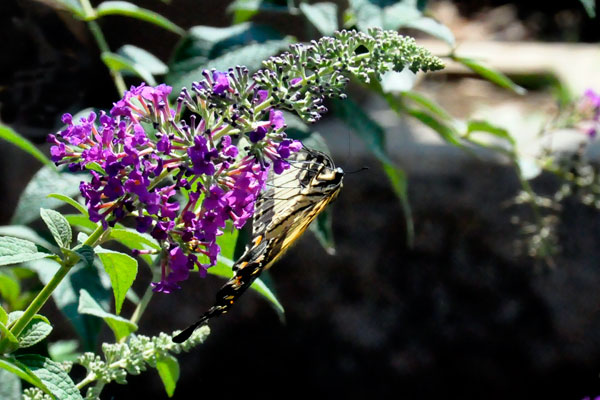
180 182
589 113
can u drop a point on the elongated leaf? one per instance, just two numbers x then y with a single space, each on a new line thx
58 382
6 333
168 370
58 226
3 315
131 10
323 231
11 386
141 57
120 326
490 74
13 137
66 296
82 222
122 270
9 287
72 202
487 127
35 196
590 7
16 251
22 371
34 332
323 16
116 62
444 129
429 105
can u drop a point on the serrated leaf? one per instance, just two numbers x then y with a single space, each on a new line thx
26 233
122 270
490 74
22 371
35 196
56 380
58 226
34 332
11 386
116 62
120 326
14 138
66 296
323 16
223 269
127 9
168 370
16 251
143 57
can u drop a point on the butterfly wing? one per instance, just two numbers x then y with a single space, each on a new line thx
284 210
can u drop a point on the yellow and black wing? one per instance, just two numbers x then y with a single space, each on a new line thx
284 210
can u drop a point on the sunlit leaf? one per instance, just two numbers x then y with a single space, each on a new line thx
127 9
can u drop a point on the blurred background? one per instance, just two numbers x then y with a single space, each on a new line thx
464 311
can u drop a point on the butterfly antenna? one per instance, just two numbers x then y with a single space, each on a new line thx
357 171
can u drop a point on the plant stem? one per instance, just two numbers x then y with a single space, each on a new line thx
43 296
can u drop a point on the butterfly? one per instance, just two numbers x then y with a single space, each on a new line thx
283 211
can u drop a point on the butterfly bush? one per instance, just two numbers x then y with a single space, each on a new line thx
142 139
181 172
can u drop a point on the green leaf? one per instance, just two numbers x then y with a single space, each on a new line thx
323 231
490 74
168 370
22 371
59 227
398 15
227 242
54 378
35 196
428 104
72 202
223 269
118 63
3 315
131 10
205 47
590 7
63 350
35 331
6 333
81 221
9 287
16 251
445 130
86 254
141 57
323 16
487 127
433 28
243 10
11 386
120 326
135 240
66 296
26 233
13 137
70 5
94 166
399 182
122 270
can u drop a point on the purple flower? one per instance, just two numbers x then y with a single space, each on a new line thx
221 82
